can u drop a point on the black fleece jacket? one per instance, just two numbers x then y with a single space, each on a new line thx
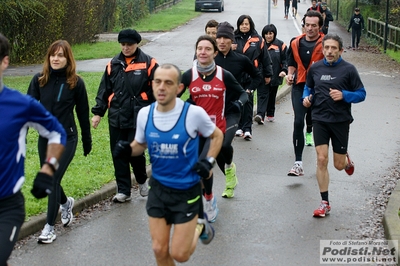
60 100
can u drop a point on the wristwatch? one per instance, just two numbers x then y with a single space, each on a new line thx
53 163
211 160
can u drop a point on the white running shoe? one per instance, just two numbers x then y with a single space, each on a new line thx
247 136
210 208
239 133
144 189
66 213
297 170
47 236
121 198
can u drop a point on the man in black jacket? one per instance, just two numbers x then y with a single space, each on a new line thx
124 89
356 25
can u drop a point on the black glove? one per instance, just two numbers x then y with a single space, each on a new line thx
348 30
42 185
202 168
87 148
237 105
122 149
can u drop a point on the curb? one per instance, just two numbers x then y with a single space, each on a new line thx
391 221
36 223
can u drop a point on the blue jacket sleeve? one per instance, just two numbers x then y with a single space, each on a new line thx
307 92
354 96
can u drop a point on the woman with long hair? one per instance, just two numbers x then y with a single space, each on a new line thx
61 90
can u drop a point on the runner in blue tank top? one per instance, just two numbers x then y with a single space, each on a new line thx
170 129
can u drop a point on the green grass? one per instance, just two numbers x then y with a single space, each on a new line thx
162 21
394 55
96 50
168 19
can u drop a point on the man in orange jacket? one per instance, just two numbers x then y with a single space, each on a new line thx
304 50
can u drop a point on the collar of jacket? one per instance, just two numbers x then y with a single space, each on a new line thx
62 72
334 63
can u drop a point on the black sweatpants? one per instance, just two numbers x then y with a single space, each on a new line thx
266 98
122 166
355 37
246 120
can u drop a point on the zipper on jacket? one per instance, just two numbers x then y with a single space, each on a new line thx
60 92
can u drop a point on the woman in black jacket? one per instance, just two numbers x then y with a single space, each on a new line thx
266 93
60 90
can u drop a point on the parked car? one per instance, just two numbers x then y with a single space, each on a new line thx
209 4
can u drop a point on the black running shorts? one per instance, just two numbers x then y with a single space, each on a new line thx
176 206
337 133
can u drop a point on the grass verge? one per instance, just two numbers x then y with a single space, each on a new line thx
164 20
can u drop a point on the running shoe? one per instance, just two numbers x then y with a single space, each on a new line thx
239 133
350 165
47 236
323 209
66 212
208 231
259 120
297 170
210 208
121 198
270 118
247 136
144 189
309 139
231 181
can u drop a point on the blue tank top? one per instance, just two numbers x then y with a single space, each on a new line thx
172 153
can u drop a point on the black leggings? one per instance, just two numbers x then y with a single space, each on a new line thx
299 114
58 196
225 156
12 216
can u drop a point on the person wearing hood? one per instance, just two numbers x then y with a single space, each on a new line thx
125 88
61 90
252 45
331 87
356 25
266 93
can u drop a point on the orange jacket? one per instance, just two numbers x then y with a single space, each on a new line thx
316 56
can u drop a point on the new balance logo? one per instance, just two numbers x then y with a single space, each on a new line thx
175 136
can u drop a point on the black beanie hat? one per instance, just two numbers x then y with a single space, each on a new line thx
129 36
225 30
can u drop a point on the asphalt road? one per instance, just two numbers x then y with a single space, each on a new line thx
269 221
